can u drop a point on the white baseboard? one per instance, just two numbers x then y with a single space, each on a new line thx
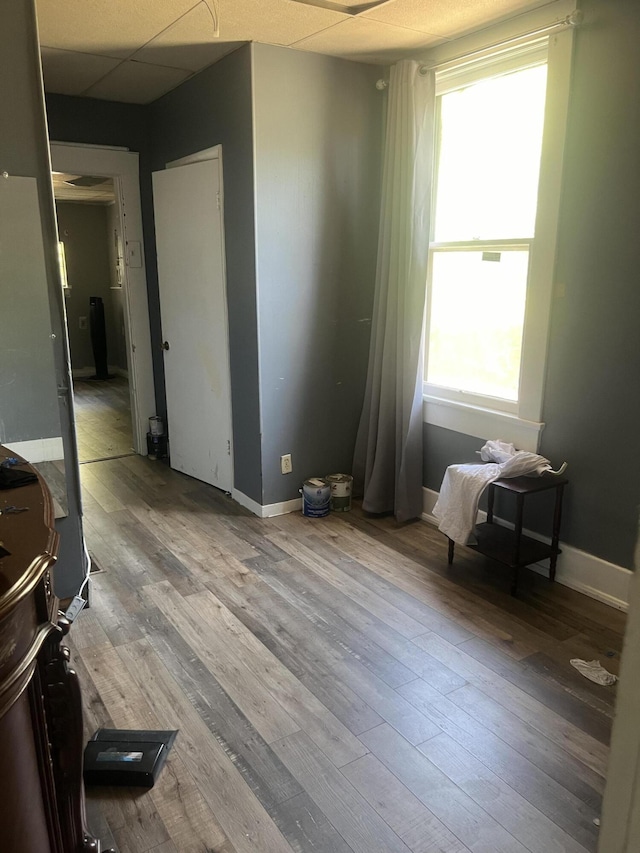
38 449
268 510
85 372
576 569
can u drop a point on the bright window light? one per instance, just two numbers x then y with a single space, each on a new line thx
489 161
62 263
477 313
488 168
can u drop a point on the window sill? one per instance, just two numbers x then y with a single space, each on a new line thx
482 423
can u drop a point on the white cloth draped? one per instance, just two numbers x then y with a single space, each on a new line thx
457 506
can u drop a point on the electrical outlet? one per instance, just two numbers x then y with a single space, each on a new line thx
286 466
82 322
75 607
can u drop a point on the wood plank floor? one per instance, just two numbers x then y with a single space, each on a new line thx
103 418
337 688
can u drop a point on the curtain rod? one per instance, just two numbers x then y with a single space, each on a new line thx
574 19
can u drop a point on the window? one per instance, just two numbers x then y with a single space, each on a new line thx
62 264
500 125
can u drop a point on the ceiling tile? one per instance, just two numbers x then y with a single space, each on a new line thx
164 41
445 18
68 73
190 43
101 192
106 27
137 82
272 21
368 41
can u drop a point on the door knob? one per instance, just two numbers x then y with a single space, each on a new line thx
165 345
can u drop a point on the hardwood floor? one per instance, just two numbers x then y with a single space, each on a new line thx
103 418
336 687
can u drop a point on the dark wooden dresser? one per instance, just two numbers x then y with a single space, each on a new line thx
41 741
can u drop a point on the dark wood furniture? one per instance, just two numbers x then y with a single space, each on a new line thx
511 547
41 740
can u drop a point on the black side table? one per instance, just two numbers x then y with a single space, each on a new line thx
510 547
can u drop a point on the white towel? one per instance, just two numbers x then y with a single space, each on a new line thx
514 462
457 506
594 671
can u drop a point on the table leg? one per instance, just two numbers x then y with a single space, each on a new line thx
557 518
517 540
490 497
514 580
518 528
450 552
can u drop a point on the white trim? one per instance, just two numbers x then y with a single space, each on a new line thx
214 153
620 831
458 74
482 423
38 449
270 510
90 145
122 165
511 27
576 569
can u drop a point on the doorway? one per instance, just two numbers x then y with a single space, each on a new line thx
121 166
91 265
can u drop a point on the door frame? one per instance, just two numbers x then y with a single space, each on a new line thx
122 165
215 153
620 831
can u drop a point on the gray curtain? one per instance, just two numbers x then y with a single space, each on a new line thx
388 454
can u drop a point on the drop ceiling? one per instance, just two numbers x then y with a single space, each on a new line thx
87 189
137 50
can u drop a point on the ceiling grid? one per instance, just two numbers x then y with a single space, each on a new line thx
137 50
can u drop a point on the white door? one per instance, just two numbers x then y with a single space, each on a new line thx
193 308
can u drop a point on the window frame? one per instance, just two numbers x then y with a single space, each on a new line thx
473 414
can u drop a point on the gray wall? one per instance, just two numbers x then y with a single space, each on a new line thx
84 230
592 401
28 396
213 108
318 154
317 131
24 151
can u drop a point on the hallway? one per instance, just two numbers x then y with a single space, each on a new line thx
103 418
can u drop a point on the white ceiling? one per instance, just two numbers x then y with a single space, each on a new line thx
136 50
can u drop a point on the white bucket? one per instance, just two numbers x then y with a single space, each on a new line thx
316 496
341 487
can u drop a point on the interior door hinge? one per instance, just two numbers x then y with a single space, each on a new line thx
229 448
218 199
